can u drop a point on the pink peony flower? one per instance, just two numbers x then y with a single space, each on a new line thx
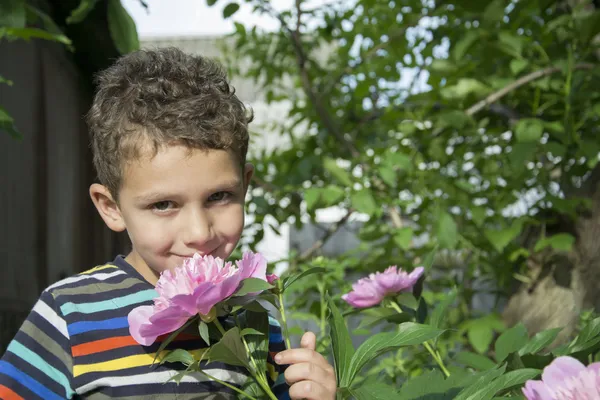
194 288
368 292
565 379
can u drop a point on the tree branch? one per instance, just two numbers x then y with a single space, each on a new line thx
328 234
301 61
492 98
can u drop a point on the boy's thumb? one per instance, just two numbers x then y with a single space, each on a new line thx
309 341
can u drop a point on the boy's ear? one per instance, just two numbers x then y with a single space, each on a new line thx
107 207
248 173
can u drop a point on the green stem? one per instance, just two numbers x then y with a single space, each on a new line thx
436 356
219 326
286 333
228 385
396 307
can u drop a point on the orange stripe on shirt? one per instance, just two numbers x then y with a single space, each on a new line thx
118 342
7 393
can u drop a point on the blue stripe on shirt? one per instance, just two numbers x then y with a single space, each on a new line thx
27 381
107 324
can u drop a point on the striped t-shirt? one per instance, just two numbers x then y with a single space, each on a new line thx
75 343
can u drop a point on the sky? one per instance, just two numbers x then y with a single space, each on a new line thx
195 18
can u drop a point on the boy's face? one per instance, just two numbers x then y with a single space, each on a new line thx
180 202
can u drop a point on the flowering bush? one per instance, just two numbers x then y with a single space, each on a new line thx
204 289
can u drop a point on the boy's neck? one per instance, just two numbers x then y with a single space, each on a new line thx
140 266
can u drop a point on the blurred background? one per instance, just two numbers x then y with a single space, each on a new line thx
462 134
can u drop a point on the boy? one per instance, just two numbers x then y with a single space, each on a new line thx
169 139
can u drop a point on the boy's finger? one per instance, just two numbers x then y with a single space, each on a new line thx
295 356
310 391
310 372
309 341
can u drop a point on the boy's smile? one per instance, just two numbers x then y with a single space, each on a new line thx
176 203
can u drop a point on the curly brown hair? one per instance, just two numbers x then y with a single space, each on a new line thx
162 96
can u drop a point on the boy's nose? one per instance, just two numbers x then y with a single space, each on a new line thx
198 234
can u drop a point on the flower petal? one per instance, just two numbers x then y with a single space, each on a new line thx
537 390
137 318
561 369
365 293
253 265
207 296
165 321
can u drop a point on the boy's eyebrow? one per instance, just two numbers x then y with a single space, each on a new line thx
159 196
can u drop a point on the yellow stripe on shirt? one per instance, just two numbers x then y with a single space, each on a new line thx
127 362
99 268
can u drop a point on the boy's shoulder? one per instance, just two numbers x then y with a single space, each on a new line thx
103 282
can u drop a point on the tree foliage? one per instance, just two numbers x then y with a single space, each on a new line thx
464 126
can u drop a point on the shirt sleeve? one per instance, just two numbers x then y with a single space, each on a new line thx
37 363
277 344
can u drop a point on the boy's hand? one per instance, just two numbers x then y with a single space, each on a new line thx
309 374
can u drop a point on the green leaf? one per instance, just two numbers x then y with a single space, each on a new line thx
590 27
447 231
287 282
203 330
340 174
7 124
506 381
253 285
82 11
179 355
500 239
250 331
6 81
529 130
341 343
211 3
323 197
256 334
589 332
494 11
398 160
512 42
409 334
439 313
480 335
230 350
12 13
560 242
36 16
470 392
520 154
230 9
403 238
478 216
510 341
122 28
540 341
518 65
172 336
374 391
474 360
364 202
36 33
430 259
460 49
463 88
374 316
432 385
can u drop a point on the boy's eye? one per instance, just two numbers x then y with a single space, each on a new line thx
162 205
219 196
